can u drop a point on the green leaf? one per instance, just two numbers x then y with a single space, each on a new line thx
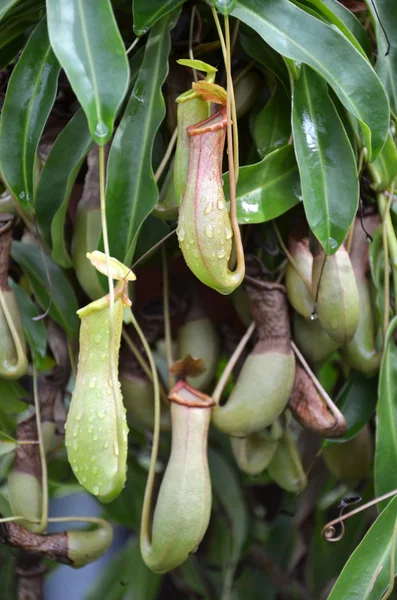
301 37
56 183
64 304
147 12
88 44
34 330
267 189
366 575
386 413
120 581
30 96
325 560
11 394
272 127
331 14
264 54
326 161
5 6
351 21
152 231
357 402
227 488
386 164
131 190
386 65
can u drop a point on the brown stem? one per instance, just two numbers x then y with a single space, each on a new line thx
53 546
30 578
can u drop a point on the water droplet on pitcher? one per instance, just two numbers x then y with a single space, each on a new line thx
208 208
92 383
228 233
221 205
221 252
101 414
79 415
181 234
116 448
96 490
101 129
209 231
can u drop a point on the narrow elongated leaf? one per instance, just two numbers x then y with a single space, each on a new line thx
5 6
272 127
34 330
264 55
29 99
267 189
117 582
131 190
325 560
56 183
59 174
357 402
366 575
11 396
87 42
323 10
351 21
386 164
326 161
386 430
64 304
228 490
301 37
148 12
386 65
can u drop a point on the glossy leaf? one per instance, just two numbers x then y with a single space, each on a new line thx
301 37
366 575
357 402
326 161
56 183
131 191
5 6
87 42
386 430
148 12
267 189
34 330
351 21
30 96
15 26
386 164
325 10
64 304
272 127
386 64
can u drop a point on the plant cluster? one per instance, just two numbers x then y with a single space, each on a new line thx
198 295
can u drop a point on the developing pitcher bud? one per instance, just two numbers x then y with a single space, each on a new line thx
338 304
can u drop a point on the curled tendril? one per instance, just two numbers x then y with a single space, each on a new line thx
328 532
